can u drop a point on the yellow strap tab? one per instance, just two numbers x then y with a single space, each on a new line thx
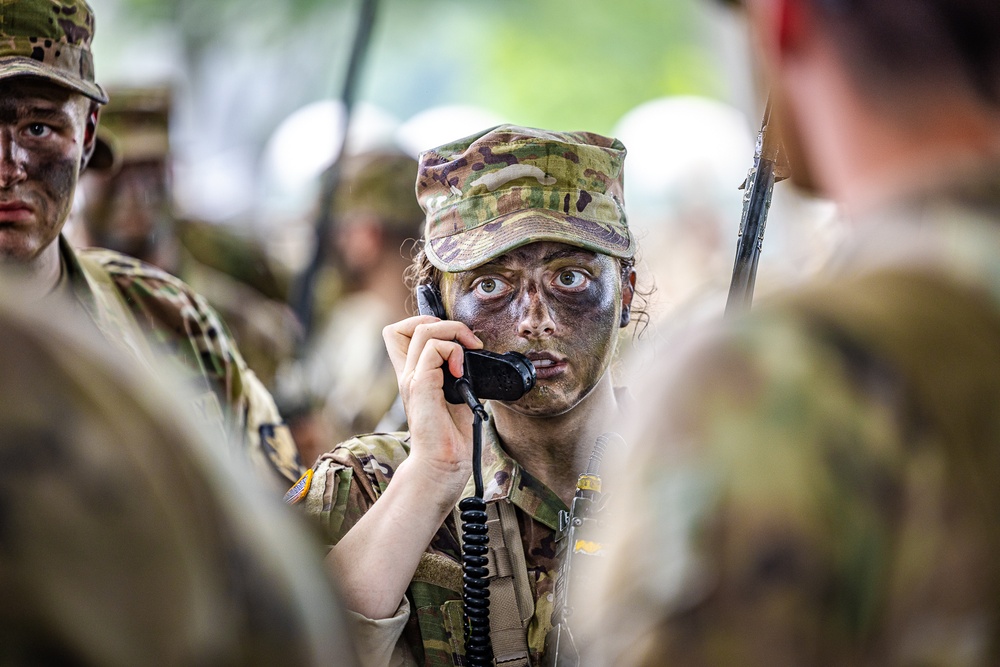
587 547
589 483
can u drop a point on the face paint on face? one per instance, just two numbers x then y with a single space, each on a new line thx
557 304
43 130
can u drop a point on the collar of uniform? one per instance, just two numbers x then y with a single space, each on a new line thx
950 228
503 477
80 283
99 297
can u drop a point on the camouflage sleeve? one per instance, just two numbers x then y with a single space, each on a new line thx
181 323
347 481
757 507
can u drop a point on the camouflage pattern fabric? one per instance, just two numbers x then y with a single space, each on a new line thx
348 480
236 255
50 39
508 186
125 537
379 184
265 328
180 325
135 124
817 483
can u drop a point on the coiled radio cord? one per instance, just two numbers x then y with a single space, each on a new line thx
475 546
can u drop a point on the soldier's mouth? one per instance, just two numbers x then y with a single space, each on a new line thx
547 364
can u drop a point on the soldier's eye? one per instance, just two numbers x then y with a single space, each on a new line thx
490 287
571 278
39 130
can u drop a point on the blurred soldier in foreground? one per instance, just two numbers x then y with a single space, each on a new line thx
124 537
129 207
349 372
816 483
48 121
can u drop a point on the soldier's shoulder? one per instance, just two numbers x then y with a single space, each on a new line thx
127 271
165 303
388 449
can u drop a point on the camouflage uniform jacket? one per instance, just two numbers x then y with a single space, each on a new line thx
796 499
177 323
349 479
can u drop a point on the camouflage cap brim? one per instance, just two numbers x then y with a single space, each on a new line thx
468 249
18 66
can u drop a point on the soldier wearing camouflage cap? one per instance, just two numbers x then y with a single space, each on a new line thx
527 240
49 105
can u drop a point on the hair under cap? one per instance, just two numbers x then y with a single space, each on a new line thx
509 186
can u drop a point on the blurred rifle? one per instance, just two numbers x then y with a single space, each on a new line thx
291 391
578 538
770 165
303 294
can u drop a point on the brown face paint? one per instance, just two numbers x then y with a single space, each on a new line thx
42 128
555 303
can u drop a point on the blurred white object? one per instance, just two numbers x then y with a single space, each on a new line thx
684 152
308 140
439 125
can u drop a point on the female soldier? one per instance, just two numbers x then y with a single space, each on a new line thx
526 238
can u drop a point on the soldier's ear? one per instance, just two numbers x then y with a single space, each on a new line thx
628 291
782 27
89 135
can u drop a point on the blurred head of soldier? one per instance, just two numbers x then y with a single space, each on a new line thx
127 202
879 97
126 535
377 213
360 291
48 124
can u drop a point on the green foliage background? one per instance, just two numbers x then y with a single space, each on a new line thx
558 63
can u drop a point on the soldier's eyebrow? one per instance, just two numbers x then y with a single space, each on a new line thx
505 260
42 113
569 252
501 262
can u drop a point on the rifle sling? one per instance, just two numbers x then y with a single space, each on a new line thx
511 600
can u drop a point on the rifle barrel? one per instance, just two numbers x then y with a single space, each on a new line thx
751 238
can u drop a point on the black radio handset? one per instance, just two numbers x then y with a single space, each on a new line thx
486 376
494 377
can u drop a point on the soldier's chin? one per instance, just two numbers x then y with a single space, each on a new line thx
541 401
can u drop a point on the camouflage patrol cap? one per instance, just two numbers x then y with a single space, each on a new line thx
509 186
49 39
380 184
136 123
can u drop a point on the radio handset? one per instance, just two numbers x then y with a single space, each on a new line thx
494 377
486 376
